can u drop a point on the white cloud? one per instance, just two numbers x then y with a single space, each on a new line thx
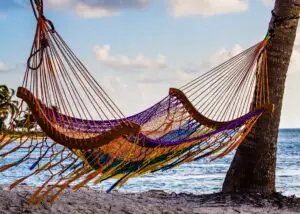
150 87
218 57
96 8
114 84
177 77
87 11
177 8
58 4
142 95
295 63
124 62
290 116
3 67
268 2
222 55
181 8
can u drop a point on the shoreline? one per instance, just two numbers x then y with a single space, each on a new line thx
90 200
17 137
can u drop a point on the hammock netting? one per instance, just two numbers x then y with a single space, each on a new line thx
74 134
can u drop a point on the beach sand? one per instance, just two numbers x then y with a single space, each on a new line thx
88 200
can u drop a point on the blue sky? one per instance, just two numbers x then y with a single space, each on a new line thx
137 49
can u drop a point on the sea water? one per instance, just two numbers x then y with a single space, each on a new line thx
201 176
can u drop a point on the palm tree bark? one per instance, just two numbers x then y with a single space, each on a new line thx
254 164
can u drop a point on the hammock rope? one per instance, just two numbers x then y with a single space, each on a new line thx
81 136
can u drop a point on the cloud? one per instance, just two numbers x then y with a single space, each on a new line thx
143 95
96 8
124 62
116 4
19 66
221 56
87 11
268 2
120 88
218 57
3 67
290 113
58 4
181 8
295 63
178 77
150 88
290 116
105 8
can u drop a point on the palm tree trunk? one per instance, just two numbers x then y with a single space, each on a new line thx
254 164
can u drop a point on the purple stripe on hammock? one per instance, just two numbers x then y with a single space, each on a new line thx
231 125
141 118
96 126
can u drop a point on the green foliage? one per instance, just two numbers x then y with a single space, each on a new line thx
8 106
26 121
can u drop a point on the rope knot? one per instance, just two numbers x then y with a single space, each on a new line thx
44 43
38 10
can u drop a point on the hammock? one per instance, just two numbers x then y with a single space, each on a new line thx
81 136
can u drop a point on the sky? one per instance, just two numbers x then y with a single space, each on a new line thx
137 49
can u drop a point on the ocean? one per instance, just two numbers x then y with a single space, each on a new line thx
202 176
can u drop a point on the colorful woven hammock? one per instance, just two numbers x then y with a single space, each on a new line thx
79 135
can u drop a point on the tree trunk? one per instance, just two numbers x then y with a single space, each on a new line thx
254 164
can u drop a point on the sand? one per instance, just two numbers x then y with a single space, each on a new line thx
89 200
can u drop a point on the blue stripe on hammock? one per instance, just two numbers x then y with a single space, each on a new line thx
40 158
